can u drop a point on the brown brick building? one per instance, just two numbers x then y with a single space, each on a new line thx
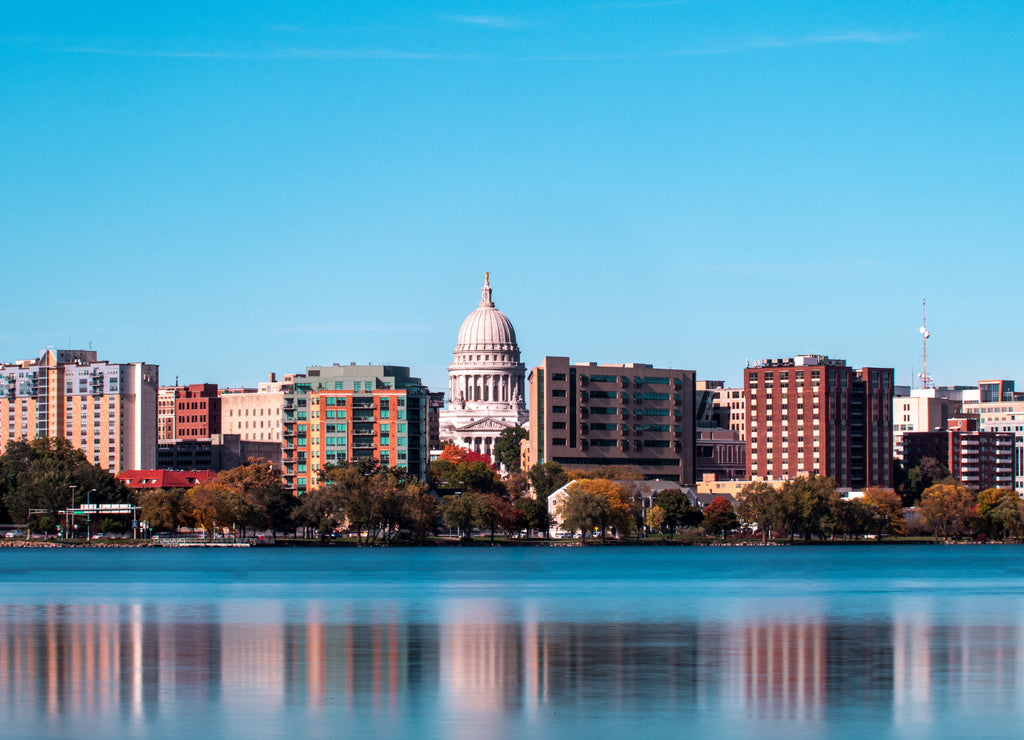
975 458
590 415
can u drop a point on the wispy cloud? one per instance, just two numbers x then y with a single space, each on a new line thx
352 328
852 37
490 21
740 46
645 4
283 54
737 47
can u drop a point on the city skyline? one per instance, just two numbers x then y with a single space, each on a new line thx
687 184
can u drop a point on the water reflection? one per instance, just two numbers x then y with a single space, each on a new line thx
257 667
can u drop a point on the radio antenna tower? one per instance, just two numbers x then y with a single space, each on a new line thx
925 379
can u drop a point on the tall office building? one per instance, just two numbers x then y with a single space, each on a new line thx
107 410
812 414
590 415
340 413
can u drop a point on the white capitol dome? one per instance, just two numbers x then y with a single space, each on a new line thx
486 380
487 329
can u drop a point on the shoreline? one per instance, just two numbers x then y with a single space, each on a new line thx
435 543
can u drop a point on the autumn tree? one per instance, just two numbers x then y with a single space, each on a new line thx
518 484
720 517
947 508
456 455
162 509
607 472
466 476
618 512
996 512
211 504
261 499
885 508
655 518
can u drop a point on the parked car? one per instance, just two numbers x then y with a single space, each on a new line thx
11 534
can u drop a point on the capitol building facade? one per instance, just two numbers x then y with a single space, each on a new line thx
486 380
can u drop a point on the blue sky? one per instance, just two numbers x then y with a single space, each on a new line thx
228 191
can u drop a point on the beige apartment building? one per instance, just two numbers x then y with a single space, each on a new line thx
107 410
254 414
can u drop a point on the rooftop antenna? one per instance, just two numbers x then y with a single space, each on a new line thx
925 379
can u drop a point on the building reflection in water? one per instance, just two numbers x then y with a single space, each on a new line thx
136 665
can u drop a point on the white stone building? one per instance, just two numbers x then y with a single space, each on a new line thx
486 380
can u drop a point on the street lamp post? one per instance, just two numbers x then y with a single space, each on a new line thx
68 526
88 515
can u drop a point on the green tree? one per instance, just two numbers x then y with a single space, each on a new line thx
582 511
853 518
678 511
546 478
719 517
321 508
487 512
506 447
475 476
421 511
808 503
762 504
912 482
1008 518
535 513
458 513
42 473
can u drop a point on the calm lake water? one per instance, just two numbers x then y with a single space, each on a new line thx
805 642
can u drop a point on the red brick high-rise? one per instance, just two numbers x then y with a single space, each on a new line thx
812 414
197 411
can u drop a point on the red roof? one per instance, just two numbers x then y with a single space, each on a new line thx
139 479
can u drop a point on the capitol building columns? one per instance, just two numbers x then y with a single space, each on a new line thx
486 379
